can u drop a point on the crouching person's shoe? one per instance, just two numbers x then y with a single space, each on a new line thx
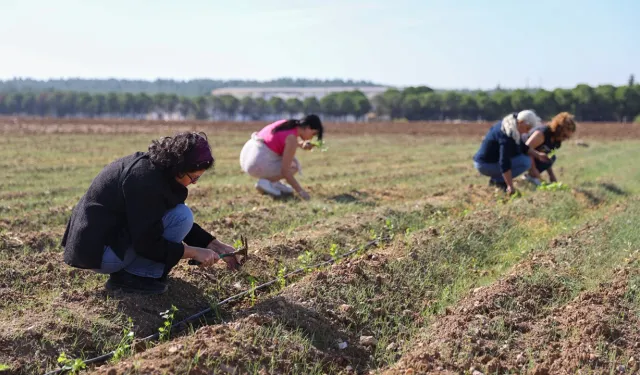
130 283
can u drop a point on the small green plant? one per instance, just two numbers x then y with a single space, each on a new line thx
75 365
319 144
281 279
334 251
4 367
306 259
237 243
165 330
252 290
372 234
390 228
515 196
124 347
553 186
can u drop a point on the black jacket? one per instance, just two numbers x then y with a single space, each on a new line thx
498 147
124 206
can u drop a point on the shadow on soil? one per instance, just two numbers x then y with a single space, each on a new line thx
323 334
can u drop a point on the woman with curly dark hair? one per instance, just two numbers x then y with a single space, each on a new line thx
132 222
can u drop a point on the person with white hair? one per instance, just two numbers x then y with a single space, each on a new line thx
502 155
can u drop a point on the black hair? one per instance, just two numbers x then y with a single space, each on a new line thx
311 121
180 154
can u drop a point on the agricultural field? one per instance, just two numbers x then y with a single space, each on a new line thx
449 276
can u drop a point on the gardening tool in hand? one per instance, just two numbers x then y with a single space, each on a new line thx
243 250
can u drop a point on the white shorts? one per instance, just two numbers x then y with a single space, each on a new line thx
259 161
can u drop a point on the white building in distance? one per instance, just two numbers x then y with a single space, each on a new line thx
300 93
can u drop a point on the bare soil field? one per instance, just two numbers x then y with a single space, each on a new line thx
466 129
462 280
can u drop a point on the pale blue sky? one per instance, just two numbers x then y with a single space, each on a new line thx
443 44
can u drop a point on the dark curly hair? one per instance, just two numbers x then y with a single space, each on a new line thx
184 152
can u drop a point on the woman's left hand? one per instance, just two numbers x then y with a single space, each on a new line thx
306 145
223 248
543 157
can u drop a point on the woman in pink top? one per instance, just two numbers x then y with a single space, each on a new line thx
269 155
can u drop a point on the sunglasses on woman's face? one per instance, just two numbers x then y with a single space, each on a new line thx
193 180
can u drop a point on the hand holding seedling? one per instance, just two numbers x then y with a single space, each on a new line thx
542 157
223 248
306 145
319 144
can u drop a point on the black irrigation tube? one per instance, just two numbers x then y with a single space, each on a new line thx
155 336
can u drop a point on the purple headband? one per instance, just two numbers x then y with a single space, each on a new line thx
199 155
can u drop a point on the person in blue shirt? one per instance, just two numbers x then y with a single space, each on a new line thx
502 155
548 138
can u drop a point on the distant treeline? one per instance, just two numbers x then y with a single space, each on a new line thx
602 103
191 88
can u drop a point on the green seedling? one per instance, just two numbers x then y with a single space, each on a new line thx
319 144
252 290
334 251
75 365
553 186
238 243
515 195
124 347
306 259
281 279
390 228
372 234
165 330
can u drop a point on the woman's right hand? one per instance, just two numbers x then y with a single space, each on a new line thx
306 145
206 257
542 157
304 195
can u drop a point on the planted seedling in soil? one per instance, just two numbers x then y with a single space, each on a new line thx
124 347
553 186
75 365
281 279
165 330
319 144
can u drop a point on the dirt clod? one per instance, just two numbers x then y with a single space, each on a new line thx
368 341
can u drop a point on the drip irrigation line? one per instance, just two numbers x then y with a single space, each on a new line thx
225 301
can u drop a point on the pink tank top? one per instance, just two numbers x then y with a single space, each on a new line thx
276 141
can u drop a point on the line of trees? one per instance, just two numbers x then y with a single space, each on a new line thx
193 87
224 107
602 103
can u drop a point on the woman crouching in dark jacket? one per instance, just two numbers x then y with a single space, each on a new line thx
132 222
502 155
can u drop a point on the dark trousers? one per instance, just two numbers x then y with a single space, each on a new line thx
542 166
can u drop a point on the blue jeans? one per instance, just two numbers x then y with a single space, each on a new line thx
519 165
177 224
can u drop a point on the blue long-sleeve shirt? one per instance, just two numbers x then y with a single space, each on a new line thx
498 147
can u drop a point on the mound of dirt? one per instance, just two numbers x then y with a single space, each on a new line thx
29 125
295 328
514 326
225 349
